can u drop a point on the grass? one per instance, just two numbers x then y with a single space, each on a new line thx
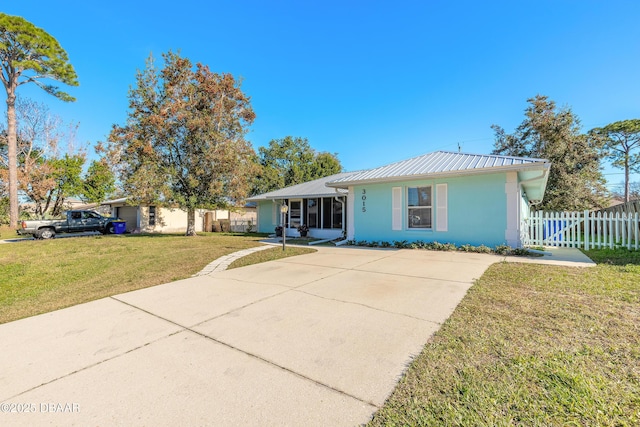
7 232
620 256
532 345
269 255
41 276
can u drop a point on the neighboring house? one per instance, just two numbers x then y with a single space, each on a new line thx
156 219
70 203
442 196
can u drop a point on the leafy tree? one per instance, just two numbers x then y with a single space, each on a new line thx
28 54
43 172
621 139
67 172
184 140
291 161
575 180
99 182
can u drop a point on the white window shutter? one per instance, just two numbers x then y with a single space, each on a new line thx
441 208
396 208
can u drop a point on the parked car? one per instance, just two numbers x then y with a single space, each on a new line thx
74 221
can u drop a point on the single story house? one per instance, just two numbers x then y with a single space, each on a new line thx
157 219
442 196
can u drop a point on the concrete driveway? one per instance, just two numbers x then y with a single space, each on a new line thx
318 339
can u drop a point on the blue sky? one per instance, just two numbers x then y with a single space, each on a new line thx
373 81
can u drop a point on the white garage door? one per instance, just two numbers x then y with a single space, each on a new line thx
129 214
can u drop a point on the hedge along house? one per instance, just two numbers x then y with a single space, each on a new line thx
445 197
314 204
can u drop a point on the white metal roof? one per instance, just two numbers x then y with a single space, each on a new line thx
315 188
438 163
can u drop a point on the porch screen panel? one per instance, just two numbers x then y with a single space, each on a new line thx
337 214
312 213
326 212
396 208
442 223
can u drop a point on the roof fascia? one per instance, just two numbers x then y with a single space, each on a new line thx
495 169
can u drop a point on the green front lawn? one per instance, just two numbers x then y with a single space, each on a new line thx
41 276
532 345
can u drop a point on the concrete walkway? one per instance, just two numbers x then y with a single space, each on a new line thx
225 261
567 257
318 339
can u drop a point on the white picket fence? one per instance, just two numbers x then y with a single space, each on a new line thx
582 229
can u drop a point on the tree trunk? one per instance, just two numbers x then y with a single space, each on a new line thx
12 140
191 222
626 179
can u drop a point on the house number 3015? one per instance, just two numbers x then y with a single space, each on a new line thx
364 200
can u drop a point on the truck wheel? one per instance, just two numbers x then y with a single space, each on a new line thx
110 229
46 233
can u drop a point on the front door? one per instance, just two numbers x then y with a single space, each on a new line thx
295 213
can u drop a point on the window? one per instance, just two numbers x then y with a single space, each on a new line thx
326 212
312 213
419 205
337 214
331 213
152 215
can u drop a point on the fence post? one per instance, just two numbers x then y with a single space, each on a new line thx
539 233
618 236
612 243
636 227
628 229
587 224
598 233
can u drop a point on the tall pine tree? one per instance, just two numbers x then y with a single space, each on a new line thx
575 181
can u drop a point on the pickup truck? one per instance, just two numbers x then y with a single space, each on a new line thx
74 221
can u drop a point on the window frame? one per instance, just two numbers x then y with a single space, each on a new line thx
410 208
153 211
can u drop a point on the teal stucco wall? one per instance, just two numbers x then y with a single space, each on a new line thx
476 211
265 217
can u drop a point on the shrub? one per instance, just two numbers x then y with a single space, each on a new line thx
225 225
400 244
483 249
503 250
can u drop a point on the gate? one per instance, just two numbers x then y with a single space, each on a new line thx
582 229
